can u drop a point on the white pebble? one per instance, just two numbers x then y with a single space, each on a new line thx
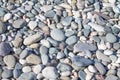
22 61
112 1
45 43
118 60
7 16
37 69
108 52
92 69
26 69
32 24
39 76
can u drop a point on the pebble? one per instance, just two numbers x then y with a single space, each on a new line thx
118 72
84 46
66 73
80 61
32 39
49 14
26 69
111 77
7 16
2 28
17 41
57 35
16 73
37 68
5 48
101 56
82 75
33 59
112 1
60 55
116 46
66 21
44 59
7 73
108 52
18 23
63 67
100 68
71 40
69 33
2 12
97 27
45 43
92 69
32 25
43 50
27 76
111 38
50 72
10 61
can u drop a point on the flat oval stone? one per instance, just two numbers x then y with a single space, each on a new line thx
57 35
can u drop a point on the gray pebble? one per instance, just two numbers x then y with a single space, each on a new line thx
27 76
86 32
82 75
111 77
118 72
44 59
5 48
60 55
71 40
49 14
80 61
57 35
2 28
69 33
100 68
84 46
66 21
116 46
16 73
53 50
50 72
63 67
18 23
7 73
2 12
111 38
24 53
43 50
52 41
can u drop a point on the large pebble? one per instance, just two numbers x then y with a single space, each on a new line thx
17 41
18 23
16 73
111 38
27 76
50 72
7 16
80 61
26 69
33 59
5 48
10 61
49 13
97 27
7 73
71 40
57 35
100 68
37 68
44 59
92 69
84 46
82 75
32 39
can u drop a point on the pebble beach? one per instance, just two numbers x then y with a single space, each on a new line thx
59 39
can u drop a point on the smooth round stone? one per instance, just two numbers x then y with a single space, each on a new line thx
26 69
37 69
18 23
32 25
92 69
111 77
27 76
22 61
7 73
111 38
24 53
71 40
57 35
65 73
33 59
113 58
116 46
69 33
16 73
49 14
7 16
10 61
60 55
5 48
45 43
44 59
108 52
50 72
43 50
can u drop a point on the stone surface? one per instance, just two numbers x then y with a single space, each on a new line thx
100 68
111 38
84 46
5 48
7 73
80 61
50 72
2 28
57 35
32 39
37 68
18 23
32 25
10 61
26 69
82 75
71 40
33 59
108 52
66 21
111 77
